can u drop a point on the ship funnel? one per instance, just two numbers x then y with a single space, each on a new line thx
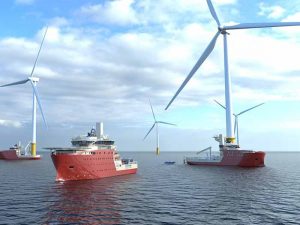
221 139
99 130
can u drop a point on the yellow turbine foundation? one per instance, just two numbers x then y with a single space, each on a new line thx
230 139
157 151
33 149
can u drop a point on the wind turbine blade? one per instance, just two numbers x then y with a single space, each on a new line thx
149 131
38 100
260 25
220 104
250 108
16 83
223 106
152 110
203 57
213 12
235 124
36 59
166 123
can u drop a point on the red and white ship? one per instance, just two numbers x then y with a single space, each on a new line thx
229 155
16 153
91 156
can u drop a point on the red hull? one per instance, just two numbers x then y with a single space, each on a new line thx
100 164
242 158
12 155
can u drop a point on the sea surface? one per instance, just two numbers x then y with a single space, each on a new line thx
157 194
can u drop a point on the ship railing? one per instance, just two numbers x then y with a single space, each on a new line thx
208 149
62 152
202 159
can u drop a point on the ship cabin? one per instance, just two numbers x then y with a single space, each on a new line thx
91 139
85 141
104 142
82 143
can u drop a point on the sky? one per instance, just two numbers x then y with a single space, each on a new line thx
104 60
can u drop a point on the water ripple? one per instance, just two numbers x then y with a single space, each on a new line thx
157 194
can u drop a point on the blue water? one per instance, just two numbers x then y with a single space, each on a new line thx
157 194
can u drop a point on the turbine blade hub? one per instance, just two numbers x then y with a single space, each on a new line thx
34 79
223 31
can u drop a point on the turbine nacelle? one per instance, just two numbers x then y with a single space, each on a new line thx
222 30
34 79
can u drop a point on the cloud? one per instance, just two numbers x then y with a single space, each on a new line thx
59 21
292 18
261 61
145 14
10 123
119 12
272 12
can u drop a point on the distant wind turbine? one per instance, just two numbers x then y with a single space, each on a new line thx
155 124
224 31
236 121
33 81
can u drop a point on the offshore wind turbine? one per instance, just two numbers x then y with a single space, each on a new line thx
236 118
155 124
230 139
35 98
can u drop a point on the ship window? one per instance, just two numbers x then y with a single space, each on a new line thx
104 142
